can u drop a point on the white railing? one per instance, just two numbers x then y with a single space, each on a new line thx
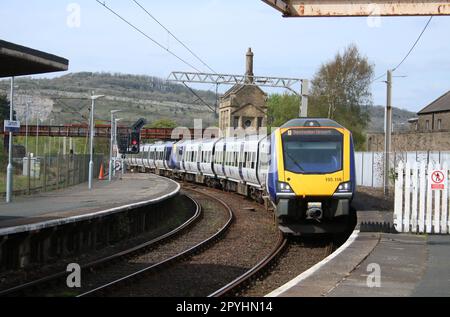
420 208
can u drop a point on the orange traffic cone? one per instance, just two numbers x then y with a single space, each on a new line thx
102 173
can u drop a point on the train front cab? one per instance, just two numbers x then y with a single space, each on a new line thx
311 178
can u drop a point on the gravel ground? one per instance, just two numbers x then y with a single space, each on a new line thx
249 240
10 279
368 199
213 219
300 255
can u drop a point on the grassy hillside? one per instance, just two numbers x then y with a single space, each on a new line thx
63 99
399 117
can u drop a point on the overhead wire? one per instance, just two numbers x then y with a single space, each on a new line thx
165 48
414 45
173 35
187 48
146 35
409 52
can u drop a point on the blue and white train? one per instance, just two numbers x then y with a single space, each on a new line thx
305 170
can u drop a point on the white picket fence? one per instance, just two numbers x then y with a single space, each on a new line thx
370 165
418 208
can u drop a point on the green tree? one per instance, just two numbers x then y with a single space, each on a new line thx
4 114
4 108
341 91
282 108
164 123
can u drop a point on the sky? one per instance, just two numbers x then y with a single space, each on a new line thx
220 32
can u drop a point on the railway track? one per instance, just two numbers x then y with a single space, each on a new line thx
47 281
142 264
155 267
258 270
298 256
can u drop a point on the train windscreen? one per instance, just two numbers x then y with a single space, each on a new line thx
313 151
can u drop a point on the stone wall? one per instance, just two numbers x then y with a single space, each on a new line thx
430 122
412 141
243 104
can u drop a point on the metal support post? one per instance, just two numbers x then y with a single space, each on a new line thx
388 131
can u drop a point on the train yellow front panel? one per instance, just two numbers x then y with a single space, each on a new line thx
314 185
305 185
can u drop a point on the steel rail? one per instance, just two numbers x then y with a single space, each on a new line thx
252 274
117 256
172 260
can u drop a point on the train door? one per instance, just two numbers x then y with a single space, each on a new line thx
241 148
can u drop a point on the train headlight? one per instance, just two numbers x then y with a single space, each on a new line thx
345 187
284 188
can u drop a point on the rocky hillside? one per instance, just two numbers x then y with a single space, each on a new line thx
64 99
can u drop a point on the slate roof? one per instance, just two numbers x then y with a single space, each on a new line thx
441 104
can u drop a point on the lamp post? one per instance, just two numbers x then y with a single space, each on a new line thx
51 138
92 123
26 129
113 129
388 132
10 169
116 121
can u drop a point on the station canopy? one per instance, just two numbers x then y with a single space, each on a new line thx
16 60
330 8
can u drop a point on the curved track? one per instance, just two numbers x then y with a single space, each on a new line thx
111 286
27 288
235 286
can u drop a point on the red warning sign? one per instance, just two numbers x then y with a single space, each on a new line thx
437 180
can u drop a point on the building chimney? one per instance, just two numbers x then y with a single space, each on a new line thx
249 69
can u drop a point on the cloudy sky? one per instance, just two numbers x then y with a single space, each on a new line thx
220 31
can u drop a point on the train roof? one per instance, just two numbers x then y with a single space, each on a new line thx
312 122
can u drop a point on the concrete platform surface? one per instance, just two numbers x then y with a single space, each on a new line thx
378 265
78 203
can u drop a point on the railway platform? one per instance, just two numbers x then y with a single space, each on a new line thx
78 203
378 264
45 228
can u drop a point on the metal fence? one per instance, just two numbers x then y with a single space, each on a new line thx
370 165
46 173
